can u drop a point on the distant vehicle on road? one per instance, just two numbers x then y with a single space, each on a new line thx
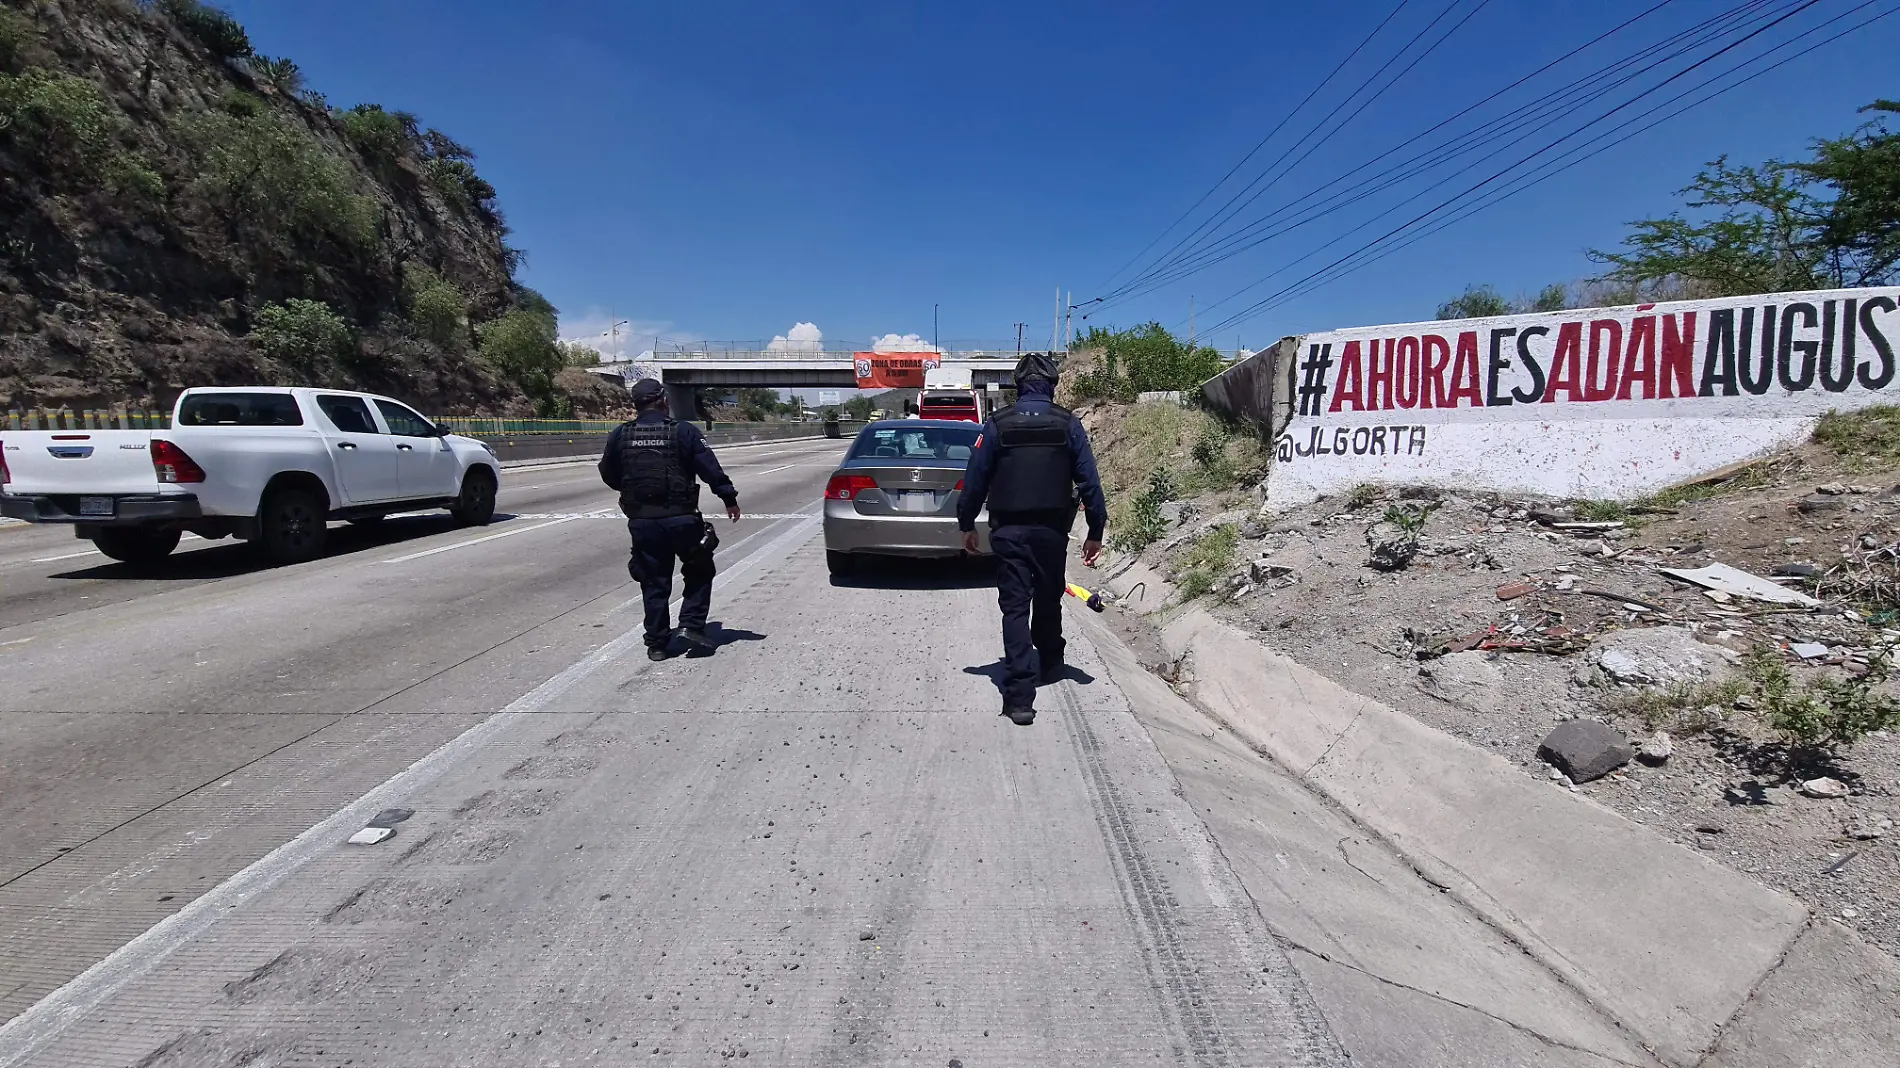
896 493
268 464
962 405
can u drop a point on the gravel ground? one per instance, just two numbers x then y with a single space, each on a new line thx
1302 583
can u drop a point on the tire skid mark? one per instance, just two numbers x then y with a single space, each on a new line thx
1180 990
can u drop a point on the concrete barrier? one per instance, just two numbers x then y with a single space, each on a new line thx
1610 403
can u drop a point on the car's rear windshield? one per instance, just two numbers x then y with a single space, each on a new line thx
240 409
914 442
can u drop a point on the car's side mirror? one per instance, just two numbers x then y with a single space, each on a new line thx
439 430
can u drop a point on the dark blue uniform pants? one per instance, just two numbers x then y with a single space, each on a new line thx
1029 580
657 543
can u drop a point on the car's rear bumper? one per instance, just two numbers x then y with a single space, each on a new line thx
127 509
896 535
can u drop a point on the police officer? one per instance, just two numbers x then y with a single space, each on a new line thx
1027 465
652 461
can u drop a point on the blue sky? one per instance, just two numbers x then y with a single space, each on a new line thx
725 171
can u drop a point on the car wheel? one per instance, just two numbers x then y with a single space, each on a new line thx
475 505
840 563
134 546
292 525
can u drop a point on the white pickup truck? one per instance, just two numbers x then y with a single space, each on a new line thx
268 464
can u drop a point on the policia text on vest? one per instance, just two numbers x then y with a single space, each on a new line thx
656 464
1032 465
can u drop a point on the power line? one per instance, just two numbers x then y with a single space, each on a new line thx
1219 218
1551 169
1531 117
1262 142
1260 305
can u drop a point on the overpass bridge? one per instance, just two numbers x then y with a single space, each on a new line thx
683 372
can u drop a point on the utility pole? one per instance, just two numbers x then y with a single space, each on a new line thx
1019 339
1068 322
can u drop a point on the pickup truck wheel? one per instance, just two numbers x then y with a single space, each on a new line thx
135 546
475 506
291 526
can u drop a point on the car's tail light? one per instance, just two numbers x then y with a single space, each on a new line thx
845 487
173 465
959 485
4 477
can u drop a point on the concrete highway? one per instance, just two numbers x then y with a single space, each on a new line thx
819 844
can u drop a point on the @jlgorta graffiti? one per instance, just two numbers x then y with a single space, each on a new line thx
1402 440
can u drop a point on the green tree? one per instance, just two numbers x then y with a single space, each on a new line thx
521 347
305 336
1143 359
437 309
383 137
1553 297
1478 302
282 74
68 126
1833 220
858 407
575 354
276 179
214 29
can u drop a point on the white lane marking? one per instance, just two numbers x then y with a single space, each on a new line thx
68 556
16 641
769 471
617 517
476 541
30 1031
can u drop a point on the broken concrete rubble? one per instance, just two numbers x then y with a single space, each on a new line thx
1656 656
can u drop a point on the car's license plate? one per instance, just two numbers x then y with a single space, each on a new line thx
915 501
95 506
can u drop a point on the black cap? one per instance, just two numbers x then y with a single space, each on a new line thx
648 390
1037 365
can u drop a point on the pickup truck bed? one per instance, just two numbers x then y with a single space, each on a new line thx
267 464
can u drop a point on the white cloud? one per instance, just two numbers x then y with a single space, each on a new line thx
901 343
803 337
633 337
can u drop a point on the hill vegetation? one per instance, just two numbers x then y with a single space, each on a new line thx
177 209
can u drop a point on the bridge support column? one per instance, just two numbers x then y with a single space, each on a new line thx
679 401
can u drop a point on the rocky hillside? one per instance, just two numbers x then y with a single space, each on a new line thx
177 210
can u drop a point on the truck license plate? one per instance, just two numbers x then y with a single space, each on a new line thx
95 506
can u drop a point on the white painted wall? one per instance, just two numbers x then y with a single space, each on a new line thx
1593 403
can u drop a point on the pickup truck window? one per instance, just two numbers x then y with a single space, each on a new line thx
348 414
403 422
240 409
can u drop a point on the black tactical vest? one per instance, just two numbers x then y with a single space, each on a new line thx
654 480
1034 481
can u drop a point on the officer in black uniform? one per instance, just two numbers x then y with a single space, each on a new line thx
1027 465
652 461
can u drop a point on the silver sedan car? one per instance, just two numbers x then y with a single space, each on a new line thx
896 492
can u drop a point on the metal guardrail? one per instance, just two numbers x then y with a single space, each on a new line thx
87 419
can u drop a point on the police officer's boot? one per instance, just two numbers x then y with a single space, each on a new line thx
1020 715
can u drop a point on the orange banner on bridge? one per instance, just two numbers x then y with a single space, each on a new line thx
894 370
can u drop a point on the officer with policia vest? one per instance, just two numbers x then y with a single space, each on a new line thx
652 462
1027 465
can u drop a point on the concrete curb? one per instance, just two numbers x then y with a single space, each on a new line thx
1667 942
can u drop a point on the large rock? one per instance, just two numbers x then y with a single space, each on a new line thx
1657 656
1464 679
1585 749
